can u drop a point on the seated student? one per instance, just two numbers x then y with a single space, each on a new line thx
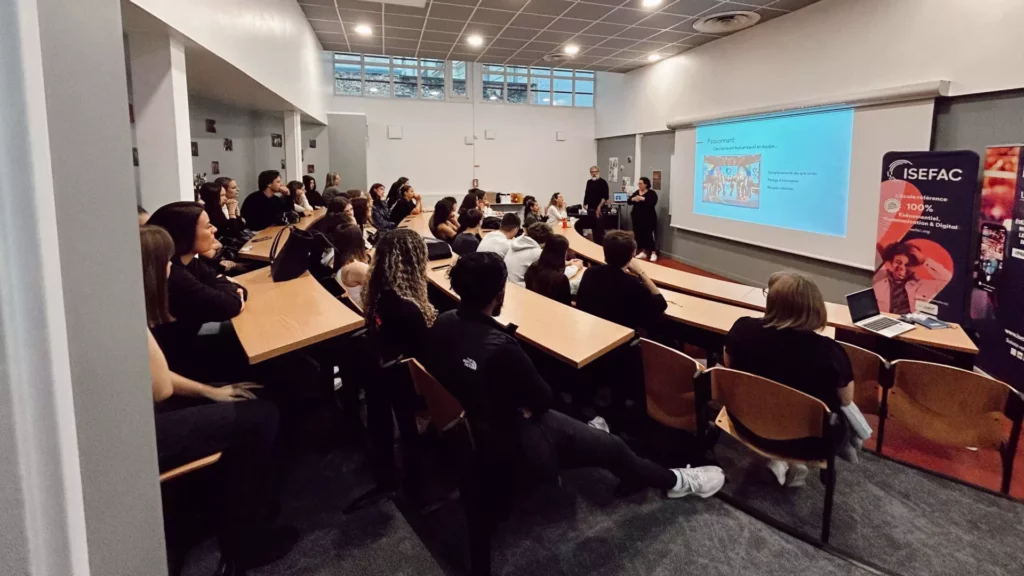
230 231
196 293
532 212
469 237
339 212
395 192
380 214
298 193
526 249
508 403
194 420
620 291
547 276
316 200
440 224
785 346
333 179
500 240
264 208
330 193
409 204
351 262
361 214
556 209
232 209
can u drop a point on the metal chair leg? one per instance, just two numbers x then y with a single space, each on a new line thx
830 487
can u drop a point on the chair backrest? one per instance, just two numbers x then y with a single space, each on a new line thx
356 302
669 381
768 409
191 467
444 410
948 405
867 373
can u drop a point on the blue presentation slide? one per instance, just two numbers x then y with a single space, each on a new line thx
791 172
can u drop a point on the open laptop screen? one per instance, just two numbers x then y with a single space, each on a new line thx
862 305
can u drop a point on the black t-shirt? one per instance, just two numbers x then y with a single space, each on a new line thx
597 190
465 243
618 297
811 363
262 212
548 282
400 328
645 212
402 209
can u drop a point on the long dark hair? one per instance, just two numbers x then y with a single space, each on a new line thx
399 264
442 211
395 192
335 216
469 202
378 200
157 250
471 219
552 256
548 272
360 210
209 192
309 182
348 245
179 219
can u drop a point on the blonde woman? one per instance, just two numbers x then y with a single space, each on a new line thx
556 209
786 346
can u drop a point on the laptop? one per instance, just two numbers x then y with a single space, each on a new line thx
620 197
864 311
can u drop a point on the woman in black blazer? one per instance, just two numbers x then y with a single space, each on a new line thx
645 219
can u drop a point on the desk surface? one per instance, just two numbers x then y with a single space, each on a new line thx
953 338
280 317
258 248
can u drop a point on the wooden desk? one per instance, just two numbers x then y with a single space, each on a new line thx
572 336
258 248
953 340
280 317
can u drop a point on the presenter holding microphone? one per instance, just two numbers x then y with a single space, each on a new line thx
645 219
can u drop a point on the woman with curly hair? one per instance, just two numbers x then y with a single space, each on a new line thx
397 316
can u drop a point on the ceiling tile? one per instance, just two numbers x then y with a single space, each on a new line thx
619 43
358 16
507 43
792 4
521 61
636 33
488 16
319 12
403 33
453 26
325 26
649 46
569 25
450 12
758 2
353 5
459 2
436 36
605 29
436 46
398 9
601 52
397 43
586 40
518 33
585 11
532 21
585 59
663 20
350 28
319 2
671 36
733 6
616 61
544 47
625 16
498 53
690 7
488 31
367 45
553 36
435 55
606 2
405 21
547 7
769 14
337 47
395 51
513 5
631 54
698 40
331 36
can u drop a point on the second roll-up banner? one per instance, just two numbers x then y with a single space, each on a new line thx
925 217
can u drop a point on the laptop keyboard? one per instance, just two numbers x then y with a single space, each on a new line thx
880 324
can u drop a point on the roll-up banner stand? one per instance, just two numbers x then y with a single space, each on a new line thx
997 291
923 246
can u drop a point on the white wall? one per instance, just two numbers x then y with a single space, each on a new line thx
233 123
270 40
829 48
316 156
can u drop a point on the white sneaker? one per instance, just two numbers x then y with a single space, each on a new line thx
779 468
654 257
797 476
641 255
704 481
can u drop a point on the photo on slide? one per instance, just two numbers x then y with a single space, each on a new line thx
733 180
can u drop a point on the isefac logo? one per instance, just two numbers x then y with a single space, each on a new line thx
904 170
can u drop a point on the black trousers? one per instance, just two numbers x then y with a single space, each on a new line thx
554 441
593 221
245 432
390 391
644 233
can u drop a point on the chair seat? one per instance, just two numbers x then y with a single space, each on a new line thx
682 419
725 424
974 431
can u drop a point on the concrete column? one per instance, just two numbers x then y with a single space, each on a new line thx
163 136
293 145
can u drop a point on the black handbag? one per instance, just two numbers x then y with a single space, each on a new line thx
437 249
293 259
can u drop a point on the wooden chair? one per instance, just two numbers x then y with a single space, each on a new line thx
954 407
190 467
669 378
777 422
868 372
444 410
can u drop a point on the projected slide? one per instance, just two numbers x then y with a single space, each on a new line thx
791 172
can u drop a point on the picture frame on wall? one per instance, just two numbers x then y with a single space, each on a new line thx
283 165
310 169
214 167
229 145
135 157
211 125
276 141
312 143
195 148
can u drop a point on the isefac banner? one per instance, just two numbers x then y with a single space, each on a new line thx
997 294
923 246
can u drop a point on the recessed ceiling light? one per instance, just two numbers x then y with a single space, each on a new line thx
364 30
475 40
653 57
651 3
572 49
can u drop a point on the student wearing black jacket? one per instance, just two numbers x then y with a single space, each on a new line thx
620 291
263 208
313 196
508 403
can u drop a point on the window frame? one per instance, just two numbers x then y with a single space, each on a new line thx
541 74
405 63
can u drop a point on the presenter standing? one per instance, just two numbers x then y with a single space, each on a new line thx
645 219
594 199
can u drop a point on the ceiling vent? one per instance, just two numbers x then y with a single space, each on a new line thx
557 57
726 22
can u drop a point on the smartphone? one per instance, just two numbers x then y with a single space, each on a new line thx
991 248
441 267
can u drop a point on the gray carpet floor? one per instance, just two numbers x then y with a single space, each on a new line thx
900 519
